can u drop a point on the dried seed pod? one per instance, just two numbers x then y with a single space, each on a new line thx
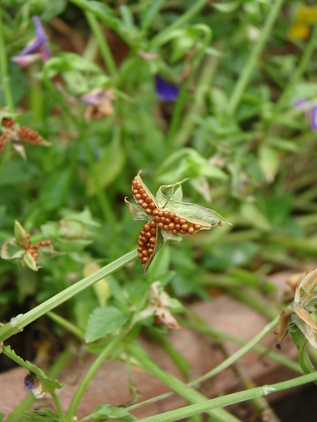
282 326
8 122
29 135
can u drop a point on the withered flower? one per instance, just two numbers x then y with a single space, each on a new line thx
33 385
167 216
100 103
160 306
305 303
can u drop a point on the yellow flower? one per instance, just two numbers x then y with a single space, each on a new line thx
305 16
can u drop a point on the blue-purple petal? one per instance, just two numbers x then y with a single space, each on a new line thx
313 118
165 91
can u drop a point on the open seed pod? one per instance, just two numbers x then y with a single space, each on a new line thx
167 216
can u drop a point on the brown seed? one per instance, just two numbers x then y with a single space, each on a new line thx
191 230
144 196
134 182
139 248
48 242
174 231
161 214
28 236
145 253
138 185
135 191
148 234
176 219
35 255
145 259
220 223
137 196
165 213
197 226
162 219
150 251
140 243
148 211
140 255
36 246
177 226
152 239
144 239
155 211
165 227
144 205
141 191
152 223
148 199
160 225
152 205
171 226
140 201
183 232
184 227
147 227
153 231
157 218
171 215
168 220
182 221
142 233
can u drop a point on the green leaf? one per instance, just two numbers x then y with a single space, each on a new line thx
301 343
2 415
269 162
83 217
104 321
44 415
106 411
254 216
150 12
226 7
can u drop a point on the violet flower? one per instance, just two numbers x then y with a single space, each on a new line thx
165 91
37 49
310 113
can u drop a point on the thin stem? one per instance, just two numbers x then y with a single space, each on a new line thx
9 330
191 395
57 404
250 64
91 372
4 69
230 399
35 93
103 45
185 17
77 332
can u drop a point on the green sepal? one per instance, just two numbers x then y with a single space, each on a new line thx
20 235
30 261
137 212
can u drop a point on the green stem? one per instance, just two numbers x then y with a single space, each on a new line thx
300 69
4 69
35 93
77 332
160 38
8 330
191 395
230 399
90 373
239 353
103 45
248 68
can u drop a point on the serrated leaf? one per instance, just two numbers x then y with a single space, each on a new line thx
46 381
104 321
106 411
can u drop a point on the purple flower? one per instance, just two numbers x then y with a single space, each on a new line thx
37 49
33 385
165 91
310 111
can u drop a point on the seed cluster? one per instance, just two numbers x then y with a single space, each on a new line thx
29 135
33 249
3 139
7 122
165 220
